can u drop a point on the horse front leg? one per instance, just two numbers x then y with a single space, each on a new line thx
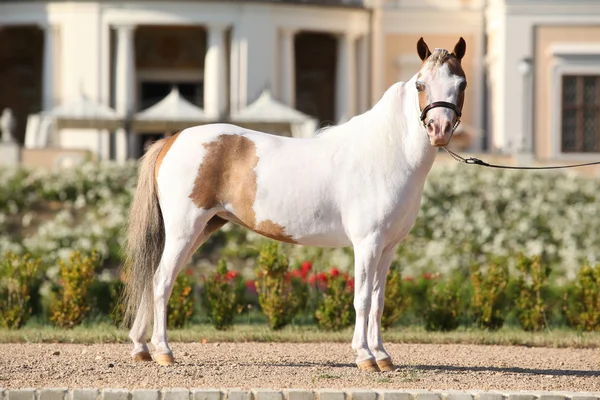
367 254
384 361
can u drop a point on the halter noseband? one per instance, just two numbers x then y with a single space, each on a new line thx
442 104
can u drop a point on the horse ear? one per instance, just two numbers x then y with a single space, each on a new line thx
460 49
423 49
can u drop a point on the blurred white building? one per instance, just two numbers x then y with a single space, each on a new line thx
106 77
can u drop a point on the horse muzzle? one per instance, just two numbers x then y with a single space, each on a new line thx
439 132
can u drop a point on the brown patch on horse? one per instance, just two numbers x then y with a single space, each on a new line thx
454 66
227 176
423 99
273 230
169 142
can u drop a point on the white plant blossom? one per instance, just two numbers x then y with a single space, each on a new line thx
468 213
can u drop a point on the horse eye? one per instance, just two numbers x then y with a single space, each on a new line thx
462 86
420 87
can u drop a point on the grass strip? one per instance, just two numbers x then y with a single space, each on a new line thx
105 333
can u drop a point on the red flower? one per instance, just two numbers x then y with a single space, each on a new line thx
251 286
429 276
350 282
231 275
305 267
334 272
408 278
322 277
189 272
297 273
312 279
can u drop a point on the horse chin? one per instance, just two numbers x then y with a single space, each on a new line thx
438 144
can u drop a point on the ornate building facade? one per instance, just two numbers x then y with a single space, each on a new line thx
533 66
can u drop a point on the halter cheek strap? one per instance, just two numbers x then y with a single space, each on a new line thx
445 104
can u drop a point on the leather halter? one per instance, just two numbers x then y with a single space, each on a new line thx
445 104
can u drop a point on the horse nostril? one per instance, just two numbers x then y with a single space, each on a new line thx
430 122
448 127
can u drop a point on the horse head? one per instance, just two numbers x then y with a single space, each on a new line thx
441 85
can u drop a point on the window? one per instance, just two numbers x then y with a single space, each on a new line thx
580 114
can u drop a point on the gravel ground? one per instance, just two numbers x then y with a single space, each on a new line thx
301 365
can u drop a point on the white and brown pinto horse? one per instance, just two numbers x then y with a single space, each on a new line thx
358 184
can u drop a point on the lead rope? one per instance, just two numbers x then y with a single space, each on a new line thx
476 161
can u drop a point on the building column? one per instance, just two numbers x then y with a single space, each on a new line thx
214 73
363 75
235 70
377 39
524 143
345 88
288 68
125 89
48 71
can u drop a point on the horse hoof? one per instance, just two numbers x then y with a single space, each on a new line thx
164 359
142 356
368 365
385 364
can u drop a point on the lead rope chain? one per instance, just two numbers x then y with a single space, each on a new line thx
476 161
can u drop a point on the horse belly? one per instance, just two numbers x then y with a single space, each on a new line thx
294 191
304 219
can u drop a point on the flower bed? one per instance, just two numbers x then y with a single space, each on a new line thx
469 216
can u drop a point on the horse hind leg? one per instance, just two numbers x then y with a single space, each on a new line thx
143 318
138 332
213 225
177 253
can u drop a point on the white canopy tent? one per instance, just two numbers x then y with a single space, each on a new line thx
83 113
268 114
173 113
80 113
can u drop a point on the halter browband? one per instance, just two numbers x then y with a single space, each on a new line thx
442 104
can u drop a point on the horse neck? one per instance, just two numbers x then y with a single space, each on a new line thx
392 131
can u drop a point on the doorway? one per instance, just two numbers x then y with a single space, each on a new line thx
316 58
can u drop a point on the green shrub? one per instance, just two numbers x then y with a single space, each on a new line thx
180 307
397 298
417 290
336 308
222 296
277 292
532 287
582 299
444 305
117 307
489 300
70 305
19 278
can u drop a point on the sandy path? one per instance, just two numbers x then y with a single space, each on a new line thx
286 365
